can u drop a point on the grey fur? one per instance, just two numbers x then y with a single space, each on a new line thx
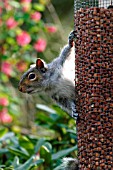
68 164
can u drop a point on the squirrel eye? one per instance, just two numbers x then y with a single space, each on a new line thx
32 76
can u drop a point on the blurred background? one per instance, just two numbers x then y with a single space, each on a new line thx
34 132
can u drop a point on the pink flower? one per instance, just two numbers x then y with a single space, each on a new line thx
40 45
26 5
6 68
36 16
11 23
51 29
26 1
23 38
7 6
4 101
5 117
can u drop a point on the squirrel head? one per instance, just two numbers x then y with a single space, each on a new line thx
31 80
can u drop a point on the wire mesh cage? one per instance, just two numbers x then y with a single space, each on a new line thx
92 3
94 83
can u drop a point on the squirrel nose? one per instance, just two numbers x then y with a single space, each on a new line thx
21 88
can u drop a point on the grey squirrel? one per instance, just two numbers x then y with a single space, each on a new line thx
58 80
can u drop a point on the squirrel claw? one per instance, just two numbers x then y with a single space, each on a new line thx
71 38
75 115
74 111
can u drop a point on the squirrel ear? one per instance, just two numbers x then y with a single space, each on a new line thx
41 64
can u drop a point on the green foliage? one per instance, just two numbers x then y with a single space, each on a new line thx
20 151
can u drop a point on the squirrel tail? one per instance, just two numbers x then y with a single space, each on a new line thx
68 164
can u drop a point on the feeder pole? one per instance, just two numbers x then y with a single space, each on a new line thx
94 83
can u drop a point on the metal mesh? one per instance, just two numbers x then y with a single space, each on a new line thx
92 3
104 3
94 83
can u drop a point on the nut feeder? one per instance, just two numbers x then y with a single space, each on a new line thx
94 82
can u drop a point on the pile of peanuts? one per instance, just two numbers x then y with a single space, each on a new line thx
94 83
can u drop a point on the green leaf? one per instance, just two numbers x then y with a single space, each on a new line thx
26 16
45 108
24 151
39 144
15 162
54 117
4 78
14 4
3 36
45 118
61 112
7 136
4 57
72 131
25 142
39 7
3 131
2 166
2 151
13 109
19 16
7 168
10 41
38 162
30 163
12 34
61 125
26 165
14 140
63 153
19 152
48 146
45 132
45 153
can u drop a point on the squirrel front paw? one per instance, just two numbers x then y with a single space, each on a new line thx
75 115
71 38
